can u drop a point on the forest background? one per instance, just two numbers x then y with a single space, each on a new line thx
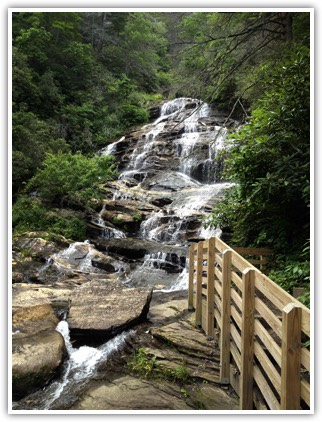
81 80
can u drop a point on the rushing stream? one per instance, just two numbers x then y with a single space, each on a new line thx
172 165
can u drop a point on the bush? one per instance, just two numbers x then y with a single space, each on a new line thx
75 177
28 214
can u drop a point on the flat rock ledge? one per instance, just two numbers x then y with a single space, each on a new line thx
99 310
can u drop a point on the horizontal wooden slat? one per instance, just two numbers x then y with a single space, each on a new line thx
280 298
218 303
236 279
305 358
236 298
236 316
218 288
235 354
218 260
267 366
269 342
204 292
218 273
265 389
235 336
254 261
252 251
305 391
240 262
218 317
220 245
269 316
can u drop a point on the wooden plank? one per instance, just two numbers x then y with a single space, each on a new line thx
258 261
204 280
305 358
218 317
218 273
218 288
235 354
240 263
247 340
191 276
269 316
236 279
291 357
220 245
234 379
204 292
203 314
265 389
211 289
236 298
280 298
269 342
252 251
235 336
225 312
218 260
236 316
268 367
305 392
198 313
218 303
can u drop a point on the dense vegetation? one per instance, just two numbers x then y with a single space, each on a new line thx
81 80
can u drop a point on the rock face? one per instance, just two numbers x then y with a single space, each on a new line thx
38 349
100 310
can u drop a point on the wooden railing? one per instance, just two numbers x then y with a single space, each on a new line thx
262 330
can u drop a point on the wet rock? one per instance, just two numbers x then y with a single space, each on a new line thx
101 309
136 248
129 393
35 360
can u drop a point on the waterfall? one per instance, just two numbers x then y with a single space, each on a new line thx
176 155
81 365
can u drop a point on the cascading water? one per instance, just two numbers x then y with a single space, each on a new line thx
81 365
174 159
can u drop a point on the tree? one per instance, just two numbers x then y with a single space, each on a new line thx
221 52
270 163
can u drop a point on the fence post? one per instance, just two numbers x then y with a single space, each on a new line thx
225 318
291 357
247 339
198 314
210 325
191 275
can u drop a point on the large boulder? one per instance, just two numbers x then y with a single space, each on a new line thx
101 309
35 360
37 348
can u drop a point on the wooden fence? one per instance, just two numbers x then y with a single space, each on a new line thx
262 330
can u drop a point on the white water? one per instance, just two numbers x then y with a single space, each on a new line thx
82 363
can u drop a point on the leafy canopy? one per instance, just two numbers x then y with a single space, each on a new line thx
270 163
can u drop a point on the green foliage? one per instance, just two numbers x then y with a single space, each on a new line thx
73 176
29 214
291 272
221 52
269 161
146 365
80 80
142 363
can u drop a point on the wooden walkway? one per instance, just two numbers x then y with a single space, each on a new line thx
262 329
